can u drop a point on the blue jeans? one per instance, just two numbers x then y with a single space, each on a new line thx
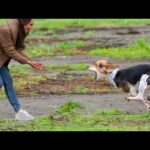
6 80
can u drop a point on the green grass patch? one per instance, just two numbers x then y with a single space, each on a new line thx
52 24
81 90
109 112
140 49
68 67
39 50
19 70
2 93
69 106
45 50
71 44
22 79
61 23
66 120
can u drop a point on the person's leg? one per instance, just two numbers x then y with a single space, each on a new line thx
11 94
9 89
1 81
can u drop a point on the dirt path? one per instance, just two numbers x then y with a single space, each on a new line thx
44 105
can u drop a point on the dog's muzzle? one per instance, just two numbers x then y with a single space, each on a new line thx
91 69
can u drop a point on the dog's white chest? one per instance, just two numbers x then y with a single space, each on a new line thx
110 77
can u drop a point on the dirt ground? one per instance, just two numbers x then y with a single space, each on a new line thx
47 102
44 105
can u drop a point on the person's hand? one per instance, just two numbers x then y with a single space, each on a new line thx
36 65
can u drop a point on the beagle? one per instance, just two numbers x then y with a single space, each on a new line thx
134 80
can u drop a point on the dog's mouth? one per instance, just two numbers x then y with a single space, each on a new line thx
95 73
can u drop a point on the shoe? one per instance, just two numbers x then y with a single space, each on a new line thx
23 115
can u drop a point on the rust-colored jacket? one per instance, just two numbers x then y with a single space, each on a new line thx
8 37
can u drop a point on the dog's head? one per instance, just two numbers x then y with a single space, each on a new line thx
102 68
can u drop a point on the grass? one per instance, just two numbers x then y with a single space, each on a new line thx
52 24
65 119
45 50
61 23
22 79
71 44
68 107
24 70
68 67
139 49
22 83
81 90
19 70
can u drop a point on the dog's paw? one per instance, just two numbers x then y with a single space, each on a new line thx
133 94
133 98
130 98
127 98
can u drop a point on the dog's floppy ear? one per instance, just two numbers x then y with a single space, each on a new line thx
111 66
106 68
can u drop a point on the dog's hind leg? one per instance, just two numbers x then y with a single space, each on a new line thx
136 87
141 89
133 91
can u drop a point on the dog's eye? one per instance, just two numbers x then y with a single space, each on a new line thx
101 66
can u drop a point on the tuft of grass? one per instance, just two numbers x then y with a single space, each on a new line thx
81 89
39 50
69 106
109 112
19 70
68 67
71 44
2 93
60 48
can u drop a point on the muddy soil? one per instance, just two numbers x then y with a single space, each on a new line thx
62 86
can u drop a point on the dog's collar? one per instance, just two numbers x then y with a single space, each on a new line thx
111 75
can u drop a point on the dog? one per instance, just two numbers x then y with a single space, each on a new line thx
134 80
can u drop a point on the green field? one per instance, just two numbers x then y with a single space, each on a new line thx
66 119
61 23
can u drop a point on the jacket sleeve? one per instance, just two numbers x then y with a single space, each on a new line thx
8 48
23 54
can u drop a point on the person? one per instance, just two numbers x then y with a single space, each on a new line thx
12 36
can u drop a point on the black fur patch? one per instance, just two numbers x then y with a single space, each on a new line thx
131 75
